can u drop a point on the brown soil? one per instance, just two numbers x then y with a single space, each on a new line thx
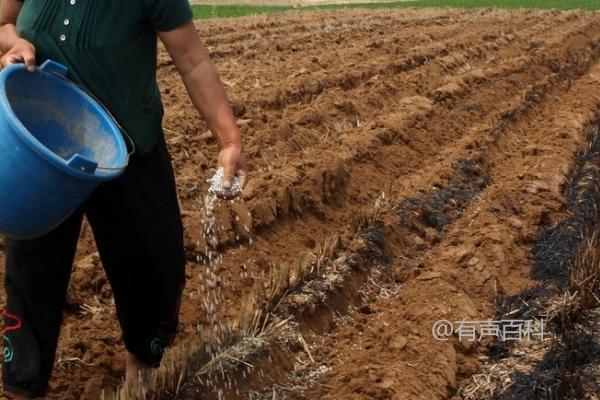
458 126
295 3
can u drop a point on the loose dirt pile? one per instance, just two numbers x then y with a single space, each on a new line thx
402 164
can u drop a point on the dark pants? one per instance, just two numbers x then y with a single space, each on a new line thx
138 231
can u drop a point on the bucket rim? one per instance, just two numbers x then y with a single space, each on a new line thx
100 175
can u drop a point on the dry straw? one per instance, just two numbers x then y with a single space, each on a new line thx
585 273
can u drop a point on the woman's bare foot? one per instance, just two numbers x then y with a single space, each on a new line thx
137 378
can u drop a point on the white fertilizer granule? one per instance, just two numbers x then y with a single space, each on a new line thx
212 257
216 184
210 293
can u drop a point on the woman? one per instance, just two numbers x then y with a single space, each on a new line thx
109 47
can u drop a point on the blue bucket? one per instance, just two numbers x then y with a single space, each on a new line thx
57 144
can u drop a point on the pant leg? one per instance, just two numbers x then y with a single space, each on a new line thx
137 225
36 281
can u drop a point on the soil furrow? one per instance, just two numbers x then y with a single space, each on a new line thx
338 35
361 147
395 67
218 34
528 99
457 278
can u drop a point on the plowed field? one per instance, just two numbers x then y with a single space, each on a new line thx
402 164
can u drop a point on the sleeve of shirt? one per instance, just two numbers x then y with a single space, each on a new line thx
166 15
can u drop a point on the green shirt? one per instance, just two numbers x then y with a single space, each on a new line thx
109 47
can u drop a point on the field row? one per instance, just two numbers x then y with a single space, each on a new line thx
415 121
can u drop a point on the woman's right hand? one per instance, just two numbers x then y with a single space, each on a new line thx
22 51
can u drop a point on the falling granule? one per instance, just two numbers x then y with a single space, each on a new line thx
212 285
210 233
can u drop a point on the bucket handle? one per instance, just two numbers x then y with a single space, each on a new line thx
60 71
